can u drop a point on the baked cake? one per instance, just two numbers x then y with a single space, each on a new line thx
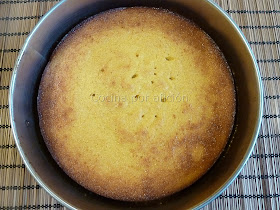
136 103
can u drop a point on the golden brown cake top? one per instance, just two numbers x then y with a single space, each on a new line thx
136 103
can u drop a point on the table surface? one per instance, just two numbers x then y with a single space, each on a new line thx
257 186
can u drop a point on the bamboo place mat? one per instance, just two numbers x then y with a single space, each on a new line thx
257 186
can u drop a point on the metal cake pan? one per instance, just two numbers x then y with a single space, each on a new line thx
35 54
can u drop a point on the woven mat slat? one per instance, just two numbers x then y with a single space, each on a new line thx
257 186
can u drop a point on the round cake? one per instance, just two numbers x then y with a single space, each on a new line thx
136 103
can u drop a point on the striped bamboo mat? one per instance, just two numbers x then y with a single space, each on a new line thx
257 186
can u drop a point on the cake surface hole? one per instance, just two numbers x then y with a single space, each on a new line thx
134 76
163 99
169 58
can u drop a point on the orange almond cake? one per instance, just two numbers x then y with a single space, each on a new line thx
136 103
